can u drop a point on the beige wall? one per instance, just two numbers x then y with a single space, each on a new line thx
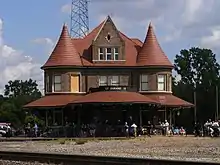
90 78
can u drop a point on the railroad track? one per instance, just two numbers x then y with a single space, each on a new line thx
66 159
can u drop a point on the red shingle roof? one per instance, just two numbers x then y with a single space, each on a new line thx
169 100
78 52
64 53
114 97
151 53
53 101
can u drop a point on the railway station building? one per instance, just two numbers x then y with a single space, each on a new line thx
107 76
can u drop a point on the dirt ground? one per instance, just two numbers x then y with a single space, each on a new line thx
187 148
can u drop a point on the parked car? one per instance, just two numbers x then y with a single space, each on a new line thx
5 130
2 131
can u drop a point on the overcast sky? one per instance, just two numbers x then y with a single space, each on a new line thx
29 29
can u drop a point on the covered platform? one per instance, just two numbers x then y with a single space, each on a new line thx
105 107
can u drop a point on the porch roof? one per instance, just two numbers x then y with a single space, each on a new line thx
114 97
170 100
52 101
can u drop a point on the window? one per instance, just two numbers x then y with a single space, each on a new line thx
144 82
101 53
108 53
115 80
103 81
57 83
161 84
47 83
170 83
115 53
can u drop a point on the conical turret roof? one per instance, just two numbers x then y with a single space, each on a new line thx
151 53
64 53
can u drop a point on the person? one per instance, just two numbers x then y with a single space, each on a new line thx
134 129
126 127
176 131
149 128
166 124
208 127
35 129
215 126
182 131
197 129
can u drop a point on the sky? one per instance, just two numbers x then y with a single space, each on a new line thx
30 29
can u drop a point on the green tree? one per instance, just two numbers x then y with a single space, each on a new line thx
197 66
17 94
21 88
199 71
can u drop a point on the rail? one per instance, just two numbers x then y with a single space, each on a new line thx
67 159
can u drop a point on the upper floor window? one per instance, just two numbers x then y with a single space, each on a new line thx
101 54
103 81
108 53
57 83
116 54
161 82
115 80
47 83
170 83
144 82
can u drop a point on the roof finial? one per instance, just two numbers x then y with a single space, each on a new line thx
64 24
150 24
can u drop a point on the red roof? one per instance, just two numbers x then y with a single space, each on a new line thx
169 100
114 97
53 101
64 53
78 52
151 53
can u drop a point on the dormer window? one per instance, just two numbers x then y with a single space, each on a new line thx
108 53
101 54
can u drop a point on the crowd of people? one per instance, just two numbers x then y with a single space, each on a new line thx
210 128
129 129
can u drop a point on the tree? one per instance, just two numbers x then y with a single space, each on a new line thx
17 94
197 66
21 88
199 72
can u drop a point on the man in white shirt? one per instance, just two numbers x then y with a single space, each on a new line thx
166 124
134 129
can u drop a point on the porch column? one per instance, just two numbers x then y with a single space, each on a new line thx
53 116
165 113
140 117
46 118
62 116
171 116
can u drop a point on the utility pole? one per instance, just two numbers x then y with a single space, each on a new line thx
195 105
216 96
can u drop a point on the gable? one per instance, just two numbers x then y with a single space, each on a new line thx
108 34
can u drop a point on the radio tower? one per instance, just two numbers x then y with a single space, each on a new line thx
79 26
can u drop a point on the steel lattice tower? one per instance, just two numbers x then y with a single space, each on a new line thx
79 26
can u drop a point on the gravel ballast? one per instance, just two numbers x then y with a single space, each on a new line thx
178 148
